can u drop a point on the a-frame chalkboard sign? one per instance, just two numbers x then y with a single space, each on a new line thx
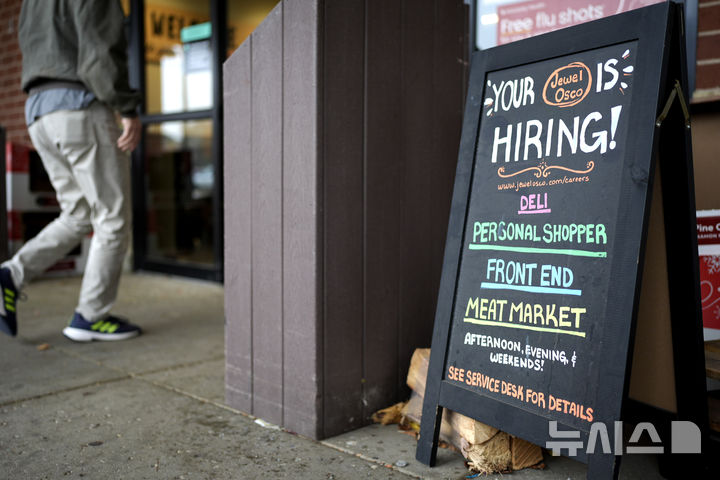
568 141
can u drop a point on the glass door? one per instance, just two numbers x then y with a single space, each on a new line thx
177 170
176 52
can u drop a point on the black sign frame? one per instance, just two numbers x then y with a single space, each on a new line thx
658 32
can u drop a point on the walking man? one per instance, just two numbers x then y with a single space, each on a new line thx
75 73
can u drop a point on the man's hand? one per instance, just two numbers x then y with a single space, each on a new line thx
130 135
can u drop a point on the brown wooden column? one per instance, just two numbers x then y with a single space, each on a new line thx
342 123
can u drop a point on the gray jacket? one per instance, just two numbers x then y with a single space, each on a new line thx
77 41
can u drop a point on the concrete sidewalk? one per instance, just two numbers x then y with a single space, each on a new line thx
153 407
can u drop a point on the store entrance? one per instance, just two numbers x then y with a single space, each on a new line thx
176 52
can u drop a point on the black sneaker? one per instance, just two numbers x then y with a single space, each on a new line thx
8 319
108 329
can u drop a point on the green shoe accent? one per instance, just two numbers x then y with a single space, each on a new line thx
104 326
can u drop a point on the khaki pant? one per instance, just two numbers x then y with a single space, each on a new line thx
91 177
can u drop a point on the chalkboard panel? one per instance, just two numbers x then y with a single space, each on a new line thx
541 275
534 271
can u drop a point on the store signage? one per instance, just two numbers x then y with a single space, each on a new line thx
533 17
540 287
540 231
708 232
163 27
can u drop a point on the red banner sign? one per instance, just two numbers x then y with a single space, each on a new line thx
527 19
708 231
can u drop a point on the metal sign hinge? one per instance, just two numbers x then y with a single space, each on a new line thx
676 92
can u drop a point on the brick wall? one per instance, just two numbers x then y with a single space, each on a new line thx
12 99
707 83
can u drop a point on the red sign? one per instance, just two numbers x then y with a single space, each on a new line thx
708 230
710 290
527 19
